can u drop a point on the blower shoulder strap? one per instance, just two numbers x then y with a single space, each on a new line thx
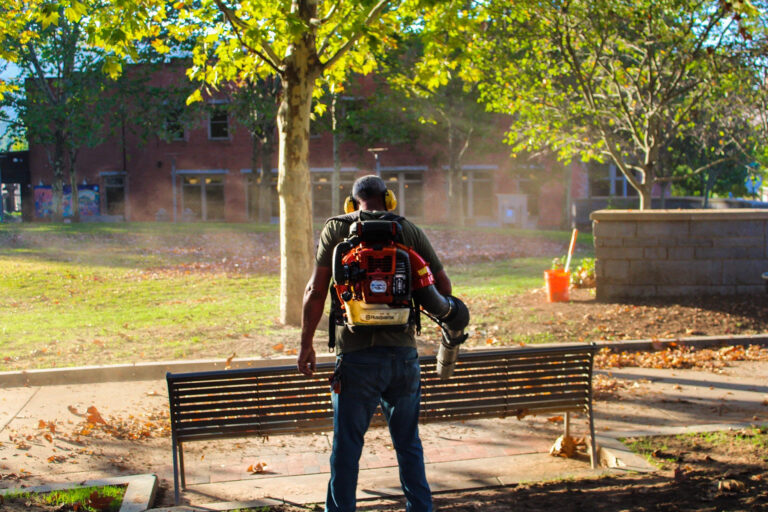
349 218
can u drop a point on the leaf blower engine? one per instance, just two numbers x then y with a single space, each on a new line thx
382 283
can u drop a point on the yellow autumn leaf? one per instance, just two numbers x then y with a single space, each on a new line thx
194 97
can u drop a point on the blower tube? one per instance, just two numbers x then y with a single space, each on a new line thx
452 316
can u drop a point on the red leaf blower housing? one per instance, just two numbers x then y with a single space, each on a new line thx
382 283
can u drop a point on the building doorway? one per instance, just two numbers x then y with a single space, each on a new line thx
113 185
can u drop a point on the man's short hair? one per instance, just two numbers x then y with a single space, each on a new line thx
368 187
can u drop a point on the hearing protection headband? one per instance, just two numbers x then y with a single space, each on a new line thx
390 202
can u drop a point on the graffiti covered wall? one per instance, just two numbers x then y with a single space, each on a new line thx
88 199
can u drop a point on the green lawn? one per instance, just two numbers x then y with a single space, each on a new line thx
92 293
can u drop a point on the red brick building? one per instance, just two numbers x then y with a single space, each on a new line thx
205 175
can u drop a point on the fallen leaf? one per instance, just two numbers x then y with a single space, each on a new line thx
257 468
564 446
278 347
730 485
94 417
48 437
98 502
74 411
153 393
555 419
228 362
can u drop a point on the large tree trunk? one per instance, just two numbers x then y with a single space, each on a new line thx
293 182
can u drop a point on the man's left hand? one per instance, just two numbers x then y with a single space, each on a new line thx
306 362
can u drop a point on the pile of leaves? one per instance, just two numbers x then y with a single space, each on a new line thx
66 441
131 428
681 357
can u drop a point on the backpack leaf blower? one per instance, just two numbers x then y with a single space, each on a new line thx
381 283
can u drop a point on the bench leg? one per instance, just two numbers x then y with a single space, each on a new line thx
593 451
175 449
181 466
567 425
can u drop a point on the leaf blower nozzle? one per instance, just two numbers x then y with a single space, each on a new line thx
452 315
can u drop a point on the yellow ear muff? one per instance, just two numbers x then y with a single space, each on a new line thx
350 204
390 201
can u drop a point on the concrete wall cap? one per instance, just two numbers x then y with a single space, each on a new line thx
679 215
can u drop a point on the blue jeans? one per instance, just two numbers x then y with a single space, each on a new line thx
379 375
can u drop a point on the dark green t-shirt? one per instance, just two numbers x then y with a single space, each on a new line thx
336 231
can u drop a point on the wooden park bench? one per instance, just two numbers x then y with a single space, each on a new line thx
279 400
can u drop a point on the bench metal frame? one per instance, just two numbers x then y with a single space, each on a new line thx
279 400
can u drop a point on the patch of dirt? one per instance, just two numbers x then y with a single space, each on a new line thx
528 318
705 473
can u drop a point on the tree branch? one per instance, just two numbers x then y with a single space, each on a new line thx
326 18
42 82
670 179
372 16
267 54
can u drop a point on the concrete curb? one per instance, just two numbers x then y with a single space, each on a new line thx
139 493
157 370
221 506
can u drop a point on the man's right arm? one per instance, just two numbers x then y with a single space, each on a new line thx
443 283
311 313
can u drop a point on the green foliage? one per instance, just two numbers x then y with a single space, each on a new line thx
70 93
87 499
607 80
583 276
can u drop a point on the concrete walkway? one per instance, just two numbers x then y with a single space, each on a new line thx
44 438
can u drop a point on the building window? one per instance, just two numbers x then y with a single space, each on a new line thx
321 193
174 128
408 186
479 198
608 181
218 122
114 194
262 199
202 197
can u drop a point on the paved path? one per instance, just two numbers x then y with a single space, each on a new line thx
43 439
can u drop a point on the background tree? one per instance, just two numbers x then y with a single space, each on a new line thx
60 87
369 118
302 42
604 79
70 95
254 103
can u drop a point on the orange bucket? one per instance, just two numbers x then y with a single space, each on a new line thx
558 282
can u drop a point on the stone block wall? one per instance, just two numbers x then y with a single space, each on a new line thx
680 252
